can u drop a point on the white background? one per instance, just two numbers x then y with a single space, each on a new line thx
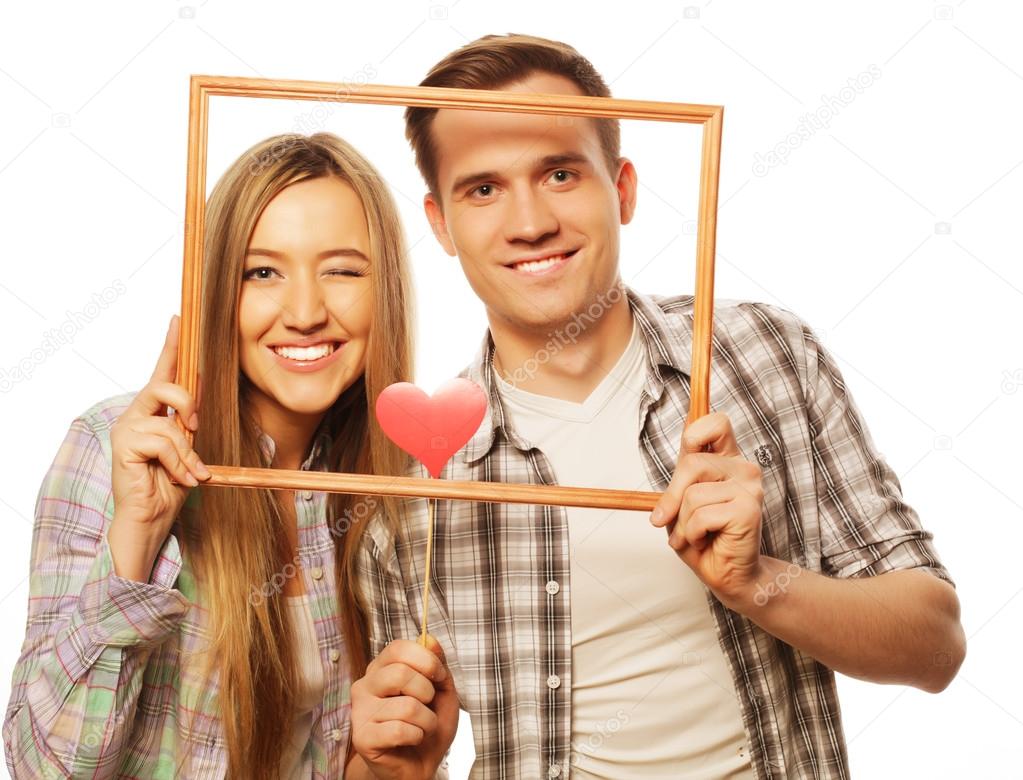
893 231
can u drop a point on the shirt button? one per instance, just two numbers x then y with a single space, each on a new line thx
317 573
553 682
552 587
336 735
554 770
307 495
334 656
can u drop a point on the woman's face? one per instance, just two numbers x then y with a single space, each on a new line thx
306 299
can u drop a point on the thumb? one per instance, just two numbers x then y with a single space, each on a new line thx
434 647
710 433
167 363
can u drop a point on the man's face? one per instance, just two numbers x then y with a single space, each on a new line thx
529 206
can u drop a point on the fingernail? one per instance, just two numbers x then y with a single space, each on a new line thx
203 471
193 421
656 516
191 480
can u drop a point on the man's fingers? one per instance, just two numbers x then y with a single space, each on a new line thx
713 430
693 468
704 494
704 520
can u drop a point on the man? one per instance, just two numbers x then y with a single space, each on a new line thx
581 641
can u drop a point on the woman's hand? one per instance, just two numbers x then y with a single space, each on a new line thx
154 466
404 713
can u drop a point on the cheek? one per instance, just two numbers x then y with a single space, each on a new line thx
473 231
353 308
256 314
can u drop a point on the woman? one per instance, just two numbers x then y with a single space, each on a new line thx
219 635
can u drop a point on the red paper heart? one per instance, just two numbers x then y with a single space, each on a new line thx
431 429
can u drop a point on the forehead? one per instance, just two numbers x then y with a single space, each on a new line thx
313 210
468 141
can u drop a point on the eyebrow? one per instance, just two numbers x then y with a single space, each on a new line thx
342 252
550 161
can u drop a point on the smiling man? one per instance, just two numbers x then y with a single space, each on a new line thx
700 641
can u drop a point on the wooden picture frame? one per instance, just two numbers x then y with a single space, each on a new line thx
203 87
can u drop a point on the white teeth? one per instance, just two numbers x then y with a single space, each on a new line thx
305 353
532 266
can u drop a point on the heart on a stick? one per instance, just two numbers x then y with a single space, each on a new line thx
431 428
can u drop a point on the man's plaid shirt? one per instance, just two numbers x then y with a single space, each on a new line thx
501 595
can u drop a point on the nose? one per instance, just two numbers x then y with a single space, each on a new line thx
530 218
304 305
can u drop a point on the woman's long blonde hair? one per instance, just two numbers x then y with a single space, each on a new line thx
234 539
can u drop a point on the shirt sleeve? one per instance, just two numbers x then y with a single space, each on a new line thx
388 611
866 526
89 632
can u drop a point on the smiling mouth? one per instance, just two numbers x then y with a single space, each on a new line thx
308 354
542 265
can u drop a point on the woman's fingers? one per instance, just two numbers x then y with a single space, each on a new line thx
167 363
146 447
161 426
398 679
407 709
154 399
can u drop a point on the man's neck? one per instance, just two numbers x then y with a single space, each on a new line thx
564 361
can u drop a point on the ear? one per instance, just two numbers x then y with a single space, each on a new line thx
626 183
435 215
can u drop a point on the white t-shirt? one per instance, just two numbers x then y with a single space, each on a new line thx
296 763
652 695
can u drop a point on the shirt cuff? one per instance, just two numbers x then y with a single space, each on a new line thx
119 612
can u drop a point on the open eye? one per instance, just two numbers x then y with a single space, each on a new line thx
262 272
482 191
561 176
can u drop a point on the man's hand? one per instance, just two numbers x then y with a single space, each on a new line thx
712 509
404 712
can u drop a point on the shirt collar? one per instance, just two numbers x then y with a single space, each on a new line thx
313 462
668 344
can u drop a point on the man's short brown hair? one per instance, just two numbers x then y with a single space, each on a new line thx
493 62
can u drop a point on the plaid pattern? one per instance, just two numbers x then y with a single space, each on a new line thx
108 682
831 504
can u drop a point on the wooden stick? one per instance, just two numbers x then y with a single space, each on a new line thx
410 487
426 581
203 87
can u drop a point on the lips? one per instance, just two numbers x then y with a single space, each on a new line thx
540 264
306 353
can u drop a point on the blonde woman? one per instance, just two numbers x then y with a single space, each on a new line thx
177 630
